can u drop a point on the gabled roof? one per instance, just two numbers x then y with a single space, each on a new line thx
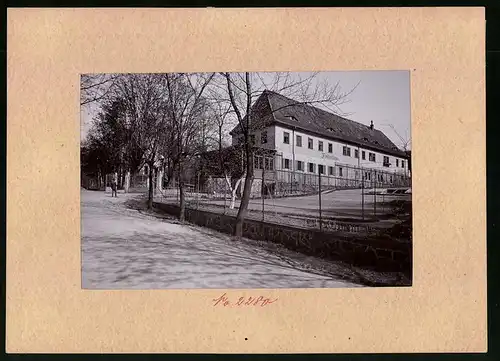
292 114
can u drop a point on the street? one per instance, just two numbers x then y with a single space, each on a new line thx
123 248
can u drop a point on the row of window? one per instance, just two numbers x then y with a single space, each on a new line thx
346 151
261 162
267 163
311 167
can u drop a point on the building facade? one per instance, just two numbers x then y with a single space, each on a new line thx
311 141
301 151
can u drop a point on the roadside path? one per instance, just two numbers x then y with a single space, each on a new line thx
122 249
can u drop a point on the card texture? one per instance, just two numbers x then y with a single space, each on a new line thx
443 311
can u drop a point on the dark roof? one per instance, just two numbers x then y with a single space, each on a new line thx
290 113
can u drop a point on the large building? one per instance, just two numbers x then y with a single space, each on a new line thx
309 140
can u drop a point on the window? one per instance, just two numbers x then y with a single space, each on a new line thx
310 143
346 151
145 169
286 137
356 153
299 141
320 146
258 162
402 164
363 155
311 167
252 139
340 171
321 169
286 163
386 161
269 163
330 148
331 171
263 137
390 179
371 157
397 162
300 165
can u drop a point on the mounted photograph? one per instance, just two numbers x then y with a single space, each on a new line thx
246 180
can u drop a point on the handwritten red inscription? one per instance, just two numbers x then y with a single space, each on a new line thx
260 301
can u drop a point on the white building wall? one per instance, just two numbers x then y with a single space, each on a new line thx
335 158
293 152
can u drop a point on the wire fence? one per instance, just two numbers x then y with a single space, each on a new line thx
361 202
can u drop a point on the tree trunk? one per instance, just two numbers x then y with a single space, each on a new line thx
151 185
127 181
245 198
233 190
182 203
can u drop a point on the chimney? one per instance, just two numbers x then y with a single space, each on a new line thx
371 125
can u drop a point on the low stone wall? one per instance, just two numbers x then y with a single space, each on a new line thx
378 253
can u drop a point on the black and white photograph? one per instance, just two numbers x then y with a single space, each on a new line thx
251 180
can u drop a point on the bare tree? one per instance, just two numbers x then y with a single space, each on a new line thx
96 87
221 113
186 105
147 117
405 141
241 89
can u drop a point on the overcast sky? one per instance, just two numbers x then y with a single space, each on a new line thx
381 96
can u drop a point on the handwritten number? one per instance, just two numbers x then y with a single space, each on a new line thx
242 301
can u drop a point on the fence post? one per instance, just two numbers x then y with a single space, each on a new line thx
198 192
375 194
177 191
225 190
363 198
320 220
263 190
